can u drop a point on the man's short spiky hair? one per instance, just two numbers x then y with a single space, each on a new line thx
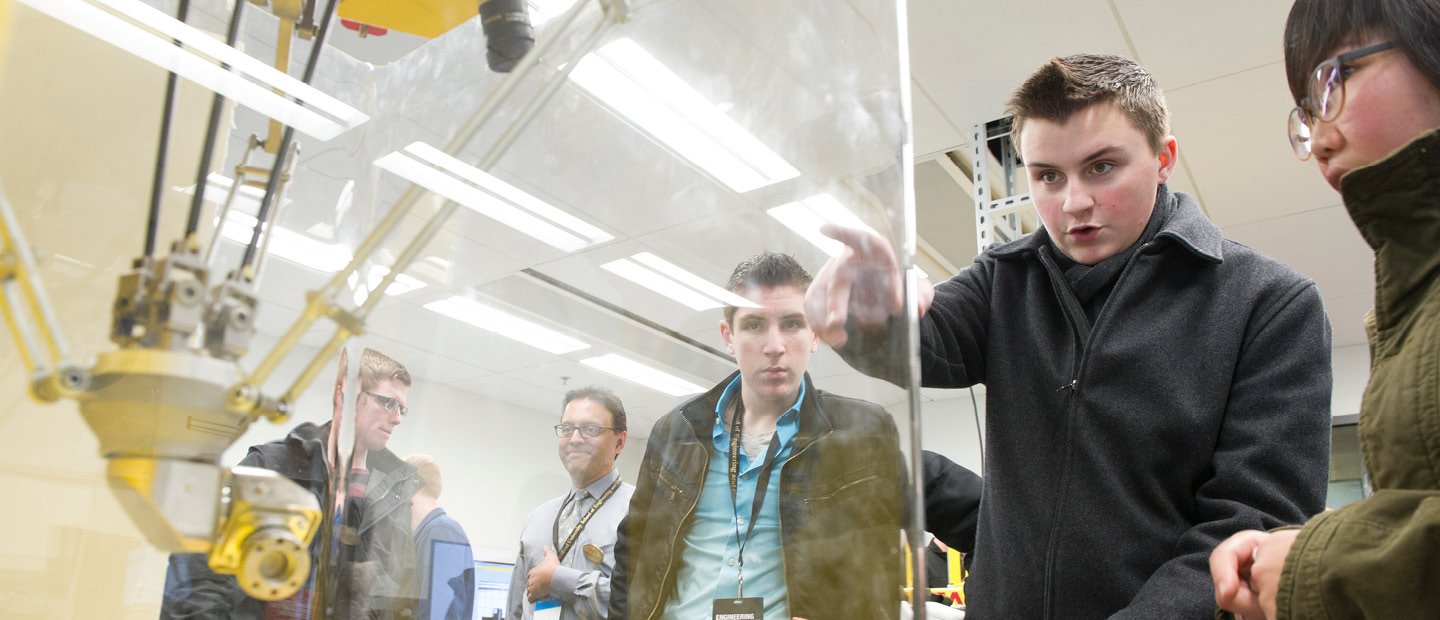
1069 84
376 367
765 270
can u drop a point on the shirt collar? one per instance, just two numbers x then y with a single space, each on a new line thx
598 487
791 416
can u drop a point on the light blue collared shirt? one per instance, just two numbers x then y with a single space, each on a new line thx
711 568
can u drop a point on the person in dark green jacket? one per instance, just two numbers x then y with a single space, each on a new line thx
1365 75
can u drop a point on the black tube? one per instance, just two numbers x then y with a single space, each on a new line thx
253 248
192 222
508 33
157 186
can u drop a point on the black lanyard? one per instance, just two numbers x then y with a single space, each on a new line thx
762 482
561 550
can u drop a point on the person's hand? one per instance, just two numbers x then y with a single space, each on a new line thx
537 581
862 283
1246 570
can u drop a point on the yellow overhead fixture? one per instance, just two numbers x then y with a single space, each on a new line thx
426 18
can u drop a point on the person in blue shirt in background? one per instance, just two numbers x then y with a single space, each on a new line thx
454 569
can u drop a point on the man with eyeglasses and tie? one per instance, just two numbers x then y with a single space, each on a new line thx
567 546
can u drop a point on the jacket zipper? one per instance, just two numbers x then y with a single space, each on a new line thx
665 580
1074 382
1077 369
780 523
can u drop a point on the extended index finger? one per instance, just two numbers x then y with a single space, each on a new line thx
868 246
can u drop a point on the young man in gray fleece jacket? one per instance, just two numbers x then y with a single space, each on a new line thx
1152 387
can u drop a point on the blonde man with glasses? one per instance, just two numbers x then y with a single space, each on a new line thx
1152 388
375 553
567 547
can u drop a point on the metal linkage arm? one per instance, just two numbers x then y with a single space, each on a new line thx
52 372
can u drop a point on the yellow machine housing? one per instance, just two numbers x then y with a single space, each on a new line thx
426 18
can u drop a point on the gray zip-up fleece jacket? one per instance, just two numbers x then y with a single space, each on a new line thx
1119 454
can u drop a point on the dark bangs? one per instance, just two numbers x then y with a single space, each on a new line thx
1316 28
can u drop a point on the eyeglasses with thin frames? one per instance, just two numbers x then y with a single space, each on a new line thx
390 404
588 431
1325 97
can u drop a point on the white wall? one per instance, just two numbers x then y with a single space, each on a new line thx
1352 371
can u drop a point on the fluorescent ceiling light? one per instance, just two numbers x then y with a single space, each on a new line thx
217 186
632 82
147 33
640 374
670 280
542 11
805 217
506 324
289 245
401 285
660 284
487 195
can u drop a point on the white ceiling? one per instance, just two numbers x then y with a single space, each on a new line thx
783 70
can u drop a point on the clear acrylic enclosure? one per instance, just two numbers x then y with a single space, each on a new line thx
572 223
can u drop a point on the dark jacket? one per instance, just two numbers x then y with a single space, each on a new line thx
1379 557
952 502
840 510
1119 454
192 590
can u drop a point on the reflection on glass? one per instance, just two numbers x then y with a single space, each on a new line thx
147 33
492 197
747 491
805 217
627 78
643 220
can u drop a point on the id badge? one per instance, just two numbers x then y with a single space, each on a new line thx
748 608
547 609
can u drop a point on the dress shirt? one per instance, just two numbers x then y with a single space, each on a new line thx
711 567
582 586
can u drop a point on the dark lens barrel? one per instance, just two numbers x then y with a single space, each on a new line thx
508 34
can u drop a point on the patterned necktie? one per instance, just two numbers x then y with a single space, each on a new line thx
570 515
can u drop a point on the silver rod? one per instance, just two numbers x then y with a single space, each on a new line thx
229 201
29 278
285 178
30 352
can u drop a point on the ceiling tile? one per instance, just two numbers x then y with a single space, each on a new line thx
1217 38
969 55
1232 132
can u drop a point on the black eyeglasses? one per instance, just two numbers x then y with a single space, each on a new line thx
1325 96
589 431
390 404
